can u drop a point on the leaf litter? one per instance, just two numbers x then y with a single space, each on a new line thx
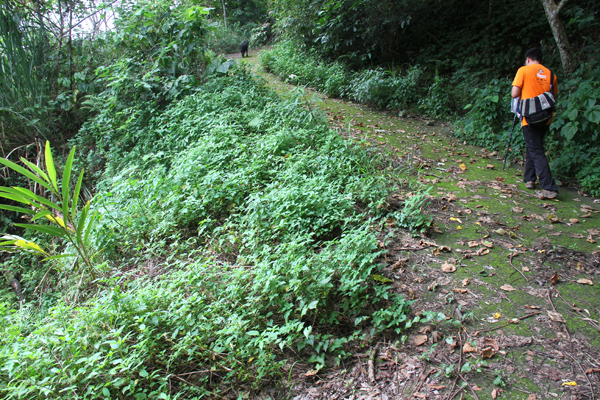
544 257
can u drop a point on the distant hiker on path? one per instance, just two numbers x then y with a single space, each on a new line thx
531 81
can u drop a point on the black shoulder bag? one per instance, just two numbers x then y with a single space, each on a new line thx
538 110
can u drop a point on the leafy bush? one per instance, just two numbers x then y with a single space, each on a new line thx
262 35
262 222
373 87
227 41
578 130
338 78
488 120
438 103
377 88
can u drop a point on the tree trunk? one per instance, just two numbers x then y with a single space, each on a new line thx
224 15
560 35
16 285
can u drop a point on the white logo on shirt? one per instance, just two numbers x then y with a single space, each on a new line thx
541 75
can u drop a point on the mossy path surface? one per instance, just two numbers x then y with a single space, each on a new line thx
516 279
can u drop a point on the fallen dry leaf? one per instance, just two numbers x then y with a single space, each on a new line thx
497 315
556 316
436 387
436 336
532 307
517 210
468 348
483 251
420 395
507 288
592 370
487 352
555 278
458 290
573 220
477 388
490 166
493 343
466 281
569 384
462 166
473 243
584 281
420 340
311 372
500 231
425 330
448 268
532 397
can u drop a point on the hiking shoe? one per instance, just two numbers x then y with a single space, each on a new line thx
545 194
530 185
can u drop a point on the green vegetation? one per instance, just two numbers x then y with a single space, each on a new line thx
221 234
393 57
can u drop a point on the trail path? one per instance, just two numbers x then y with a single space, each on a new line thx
520 275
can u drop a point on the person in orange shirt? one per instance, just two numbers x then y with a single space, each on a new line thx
532 80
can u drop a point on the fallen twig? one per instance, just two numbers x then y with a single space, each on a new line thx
507 324
586 375
371 364
424 379
469 385
515 268
564 323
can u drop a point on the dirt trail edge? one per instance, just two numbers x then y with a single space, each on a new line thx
516 280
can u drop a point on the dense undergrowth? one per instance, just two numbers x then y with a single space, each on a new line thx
480 113
237 234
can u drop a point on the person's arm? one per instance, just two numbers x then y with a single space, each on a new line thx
515 92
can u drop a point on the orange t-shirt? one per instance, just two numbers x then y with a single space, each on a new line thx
533 79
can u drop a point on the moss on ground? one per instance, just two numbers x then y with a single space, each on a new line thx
526 260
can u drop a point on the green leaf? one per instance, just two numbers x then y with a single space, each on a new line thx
381 278
59 257
593 115
572 114
36 169
24 172
65 182
28 194
76 195
18 198
88 229
50 166
41 214
17 209
569 130
81 224
51 230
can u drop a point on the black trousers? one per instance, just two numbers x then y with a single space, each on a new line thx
536 163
